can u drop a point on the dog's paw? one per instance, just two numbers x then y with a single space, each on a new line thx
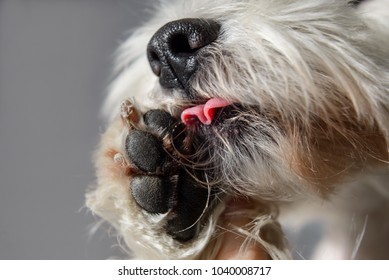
152 187
160 181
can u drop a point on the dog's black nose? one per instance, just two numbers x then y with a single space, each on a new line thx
173 50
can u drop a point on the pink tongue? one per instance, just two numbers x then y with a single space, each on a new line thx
203 113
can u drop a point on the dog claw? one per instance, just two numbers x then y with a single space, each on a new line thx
129 114
120 159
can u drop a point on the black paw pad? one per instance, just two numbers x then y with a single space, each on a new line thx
159 121
152 193
163 185
192 200
145 150
162 123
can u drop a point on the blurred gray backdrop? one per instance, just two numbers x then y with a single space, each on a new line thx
55 61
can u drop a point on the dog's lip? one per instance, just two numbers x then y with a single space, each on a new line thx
205 112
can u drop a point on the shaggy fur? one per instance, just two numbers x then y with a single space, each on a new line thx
309 138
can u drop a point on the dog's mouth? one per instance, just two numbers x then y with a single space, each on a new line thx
204 113
218 117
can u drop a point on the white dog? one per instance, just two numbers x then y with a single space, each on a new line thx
250 117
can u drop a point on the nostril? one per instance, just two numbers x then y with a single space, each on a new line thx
180 44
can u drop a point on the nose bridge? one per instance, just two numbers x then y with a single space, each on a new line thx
173 49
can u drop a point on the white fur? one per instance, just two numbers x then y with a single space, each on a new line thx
302 62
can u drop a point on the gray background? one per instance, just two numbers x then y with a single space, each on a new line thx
55 61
